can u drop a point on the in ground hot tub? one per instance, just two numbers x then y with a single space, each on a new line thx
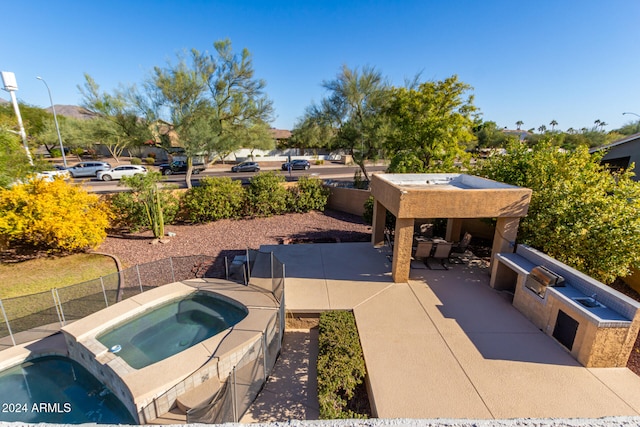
171 328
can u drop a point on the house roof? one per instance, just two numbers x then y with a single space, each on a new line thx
630 138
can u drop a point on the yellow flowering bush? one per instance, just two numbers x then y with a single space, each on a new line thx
53 216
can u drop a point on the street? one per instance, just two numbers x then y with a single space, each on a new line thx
329 171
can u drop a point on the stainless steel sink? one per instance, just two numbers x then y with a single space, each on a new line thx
588 302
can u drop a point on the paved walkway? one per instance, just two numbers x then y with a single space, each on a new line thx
446 345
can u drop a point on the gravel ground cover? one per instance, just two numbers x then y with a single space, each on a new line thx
229 237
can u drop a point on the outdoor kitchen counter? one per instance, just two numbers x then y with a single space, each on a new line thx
599 331
602 316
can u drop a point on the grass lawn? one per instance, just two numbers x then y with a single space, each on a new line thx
43 274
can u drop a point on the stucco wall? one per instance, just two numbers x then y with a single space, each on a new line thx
348 200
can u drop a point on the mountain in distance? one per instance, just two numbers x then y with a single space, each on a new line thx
72 111
66 110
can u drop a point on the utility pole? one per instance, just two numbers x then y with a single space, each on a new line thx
10 85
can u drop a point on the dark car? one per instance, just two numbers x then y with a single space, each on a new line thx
246 167
88 169
180 166
296 164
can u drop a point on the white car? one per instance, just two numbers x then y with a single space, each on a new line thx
120 171
50 175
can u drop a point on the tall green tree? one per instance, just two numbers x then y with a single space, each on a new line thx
118 123
311 131
214 102
489 135
354 107
431 123
580 213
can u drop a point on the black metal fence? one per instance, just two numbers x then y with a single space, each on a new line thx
50 310
249 374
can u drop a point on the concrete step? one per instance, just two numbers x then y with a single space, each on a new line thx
199 395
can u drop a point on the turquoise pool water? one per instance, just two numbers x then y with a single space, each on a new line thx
173 327
56 389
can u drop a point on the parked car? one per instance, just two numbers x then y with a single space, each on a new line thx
62 173
120 171
296 164
180 166
246 167
88 169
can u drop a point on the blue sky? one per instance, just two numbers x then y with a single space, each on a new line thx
573 61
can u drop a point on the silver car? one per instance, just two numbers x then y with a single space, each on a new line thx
88 169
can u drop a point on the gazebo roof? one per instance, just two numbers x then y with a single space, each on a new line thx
448 195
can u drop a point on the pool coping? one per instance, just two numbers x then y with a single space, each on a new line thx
151 391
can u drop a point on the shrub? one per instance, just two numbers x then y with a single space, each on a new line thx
136 161
266 195
309 194
341 365
214 199
580 213
131 214
150 161
151 154
53 216
319 162
55 152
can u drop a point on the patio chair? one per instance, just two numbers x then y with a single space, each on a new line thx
423 250
388 241
462 245
441 253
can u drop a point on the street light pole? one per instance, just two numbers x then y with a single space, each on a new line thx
10 85
55 119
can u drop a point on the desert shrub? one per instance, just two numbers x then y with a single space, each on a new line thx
136 161
56 152
266 195
149 160
130 213
53 216
151 154
309 194
341 365
580 213
214 199
319 162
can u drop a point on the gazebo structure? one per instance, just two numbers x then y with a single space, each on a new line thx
451 196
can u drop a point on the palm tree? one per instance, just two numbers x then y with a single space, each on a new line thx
553 124
597 122
519 123
542 129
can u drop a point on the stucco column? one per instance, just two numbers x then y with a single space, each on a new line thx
454 229
377 229
403 241
505 236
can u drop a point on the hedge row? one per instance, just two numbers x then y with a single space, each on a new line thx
341 368
223 198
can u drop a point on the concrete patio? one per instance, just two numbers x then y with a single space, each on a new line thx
446 345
